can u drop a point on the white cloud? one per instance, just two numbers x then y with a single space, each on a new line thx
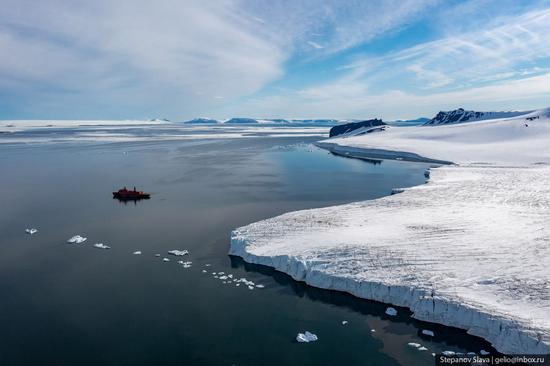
315 45
144 55
167 57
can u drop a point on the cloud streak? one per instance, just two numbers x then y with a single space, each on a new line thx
167 58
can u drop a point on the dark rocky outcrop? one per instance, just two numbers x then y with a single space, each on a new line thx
460 116
349 127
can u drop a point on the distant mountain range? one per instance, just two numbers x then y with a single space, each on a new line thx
459 115
242 120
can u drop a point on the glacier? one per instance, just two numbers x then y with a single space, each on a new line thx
468 249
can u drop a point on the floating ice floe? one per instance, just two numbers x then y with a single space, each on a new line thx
344 322
260 286
484 353
373 330
470 354
422 348
31 231
414 345
204 271
185 264
223 277
306 337
101 246
428 333
207 265
165 260
178 253
137 252
391 311
77 239
251 287
448 353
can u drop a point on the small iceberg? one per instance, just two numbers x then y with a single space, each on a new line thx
448 353
185 264
306 337
344 322
165 260
428 333
391 311
178 253
137 252
31 231
77 239
422 348
260 286
101 246
414 345
484 353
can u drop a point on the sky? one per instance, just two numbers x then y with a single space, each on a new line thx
346 59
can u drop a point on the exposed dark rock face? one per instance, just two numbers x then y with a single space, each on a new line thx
460 116
349 127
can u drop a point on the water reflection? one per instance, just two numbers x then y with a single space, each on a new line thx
448 336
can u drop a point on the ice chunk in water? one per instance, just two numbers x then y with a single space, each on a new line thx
137 252
448 353
414 345
484 353
165 260
344 322
31 231
391 311
306 337
422 348
260 286
77 239
178 253
428 333
101 246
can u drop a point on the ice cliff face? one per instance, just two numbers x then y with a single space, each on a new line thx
482 265
468 249
460 116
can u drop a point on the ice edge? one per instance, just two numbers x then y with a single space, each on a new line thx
502 332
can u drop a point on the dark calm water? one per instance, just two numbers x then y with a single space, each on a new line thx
63 304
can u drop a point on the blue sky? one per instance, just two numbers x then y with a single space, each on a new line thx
253 58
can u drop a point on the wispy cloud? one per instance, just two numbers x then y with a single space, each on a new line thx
133 58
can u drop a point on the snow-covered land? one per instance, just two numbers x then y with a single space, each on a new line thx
470 249
19 125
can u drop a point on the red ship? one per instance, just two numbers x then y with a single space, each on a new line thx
125 194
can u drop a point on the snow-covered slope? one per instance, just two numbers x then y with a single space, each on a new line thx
469 249
517 140
461 116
